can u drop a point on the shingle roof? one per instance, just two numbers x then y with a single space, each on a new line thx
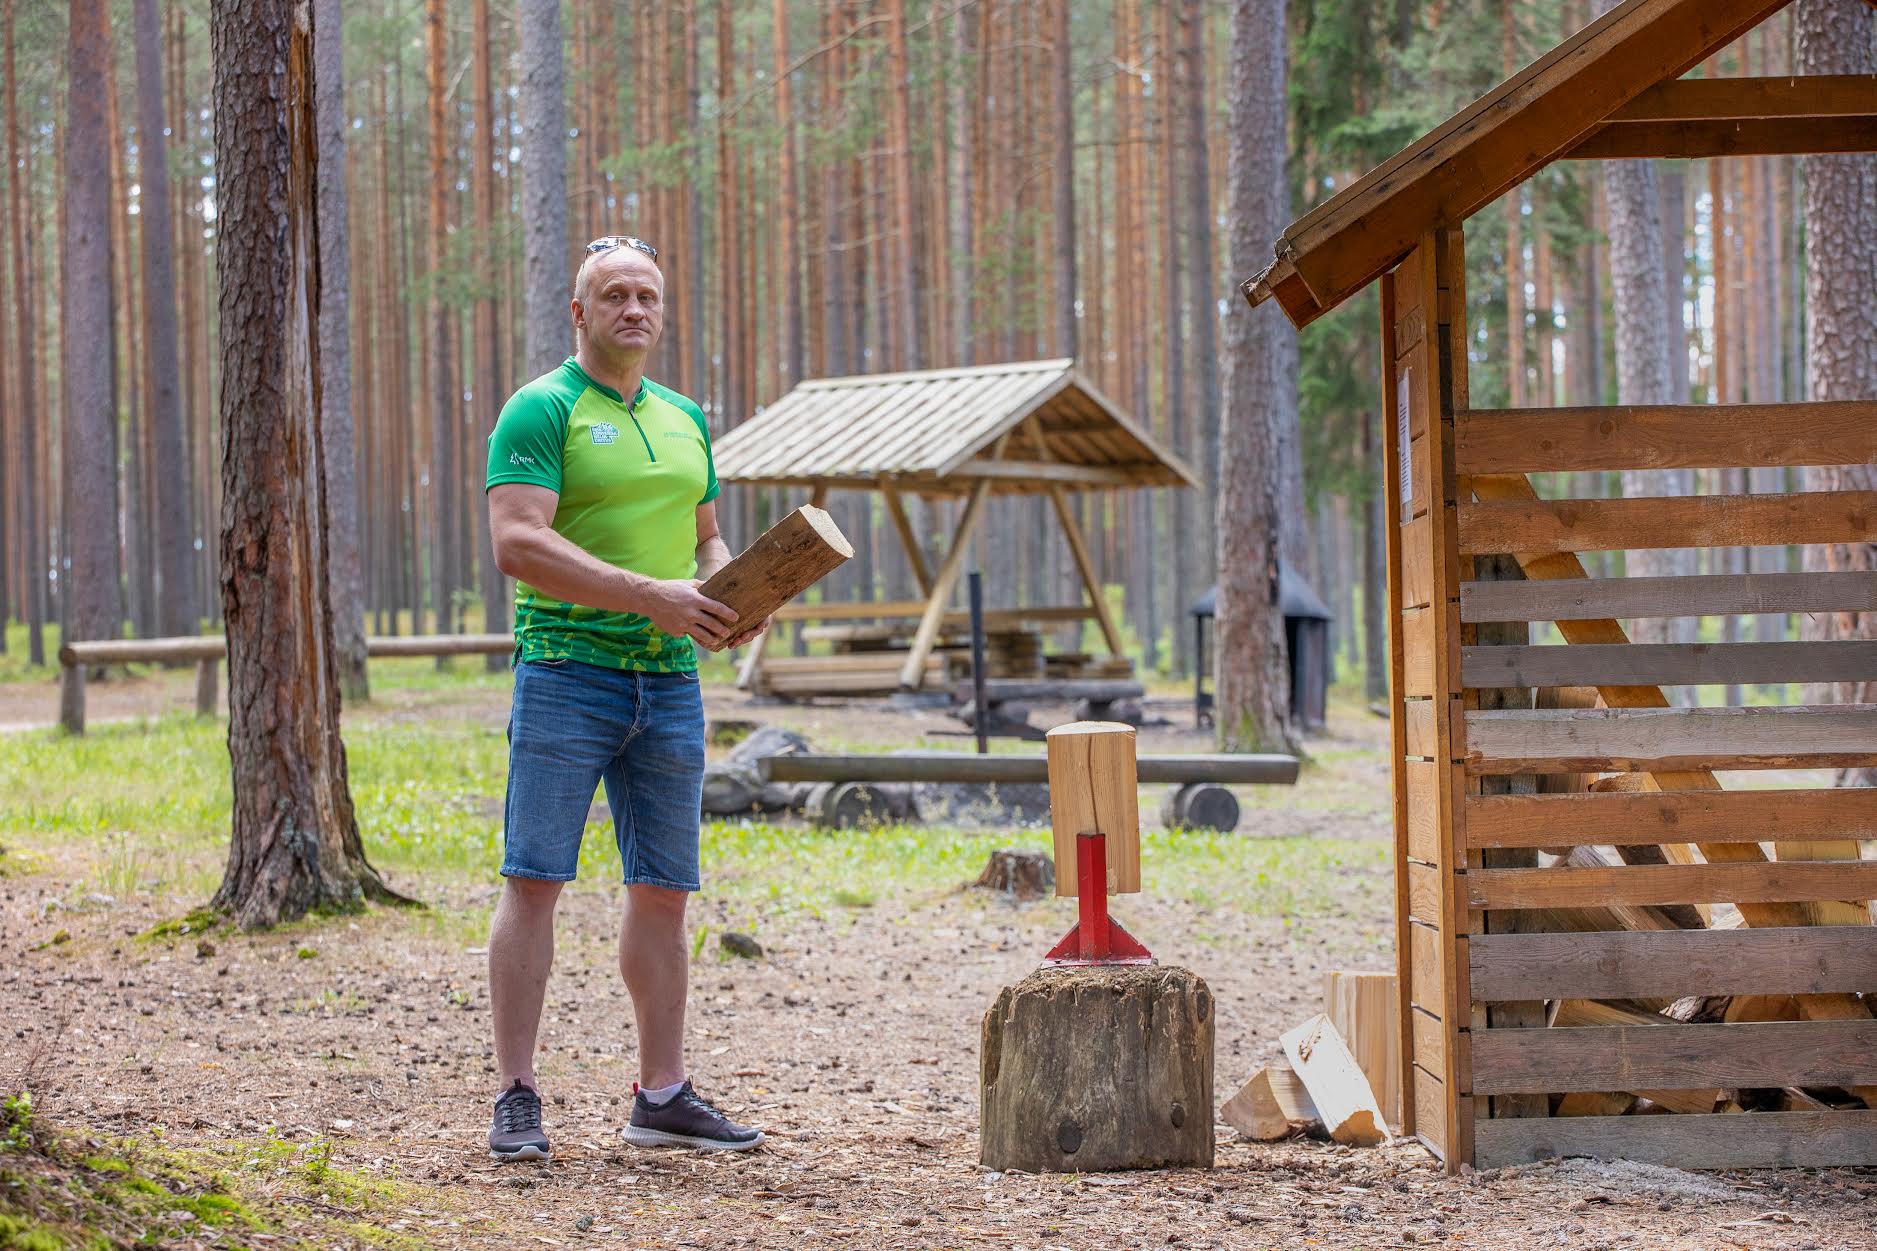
938 431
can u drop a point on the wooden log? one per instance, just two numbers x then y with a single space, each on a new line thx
441 645
1017 874
1595 1103
1337 1086
952 766
1093 789
1255 1112
1200 806
785 560
1364 1008
1091 1069
140 651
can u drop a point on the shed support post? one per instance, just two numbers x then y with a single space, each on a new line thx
72 698
205 685
915 555
913 671
1077 548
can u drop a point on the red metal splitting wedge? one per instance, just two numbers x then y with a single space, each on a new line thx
1097 937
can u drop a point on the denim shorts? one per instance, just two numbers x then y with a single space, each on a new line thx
574 726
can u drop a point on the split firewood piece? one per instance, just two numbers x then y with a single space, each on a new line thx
1254 1111
1292 1095
1343 1097
1595 1103
1366 1010
1575 1012
788 558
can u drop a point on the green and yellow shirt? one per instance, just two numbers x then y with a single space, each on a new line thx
630 479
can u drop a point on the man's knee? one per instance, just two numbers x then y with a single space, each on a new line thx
531 894
657 901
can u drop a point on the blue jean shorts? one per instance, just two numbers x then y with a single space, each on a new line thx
574 726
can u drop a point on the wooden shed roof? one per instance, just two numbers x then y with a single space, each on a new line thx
1580 99
1026 426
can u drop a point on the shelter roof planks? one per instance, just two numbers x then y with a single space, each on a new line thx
1027 427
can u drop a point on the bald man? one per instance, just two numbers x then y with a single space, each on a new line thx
602 507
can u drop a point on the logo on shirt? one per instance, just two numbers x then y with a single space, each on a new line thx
604 432
516 458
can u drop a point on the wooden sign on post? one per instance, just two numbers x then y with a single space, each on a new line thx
786 560
1093 788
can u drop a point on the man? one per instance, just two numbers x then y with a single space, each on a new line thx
602 507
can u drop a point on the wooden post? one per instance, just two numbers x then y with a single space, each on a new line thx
915 554
912 673
205 686
1093 789
1110 633
72 697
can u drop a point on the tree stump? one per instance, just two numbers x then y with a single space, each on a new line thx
1020 875
1200 806
1091 1069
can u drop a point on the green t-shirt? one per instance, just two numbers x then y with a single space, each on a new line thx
630 479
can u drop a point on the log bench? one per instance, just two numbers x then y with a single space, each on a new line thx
207 651
1200 797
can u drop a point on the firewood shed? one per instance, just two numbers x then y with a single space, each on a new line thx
1599 910
1028 428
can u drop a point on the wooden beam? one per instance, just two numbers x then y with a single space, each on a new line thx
934 766
913 608
1091 582
1674 963
1557 526
1050 471
1654 740
1664 436
1669 1057
1693 140
913 672
1494 144
1713 1141
1697 595
915 553
1668 664
1746 99
1785 881
1771 816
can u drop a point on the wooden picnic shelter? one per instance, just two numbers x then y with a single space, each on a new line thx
1566 855
1030 428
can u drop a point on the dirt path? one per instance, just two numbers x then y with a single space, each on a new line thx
853 1043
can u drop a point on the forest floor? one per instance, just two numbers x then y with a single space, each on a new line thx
332 1079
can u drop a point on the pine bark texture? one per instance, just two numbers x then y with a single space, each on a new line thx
175 535
91 594
1840 37
489 373
545 280
1253 687
33 482
1092 1069
295 843
344 572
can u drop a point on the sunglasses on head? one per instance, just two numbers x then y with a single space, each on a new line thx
606 243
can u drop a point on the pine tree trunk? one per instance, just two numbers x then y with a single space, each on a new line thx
1836 37
295 844
32 533
489 382
440 354
544 188
1198 212
1260 354
93 603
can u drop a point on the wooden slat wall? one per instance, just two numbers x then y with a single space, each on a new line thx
1762 1140
1670 436
1669 664
1624 1057
1654 740
1584 599
1536 526
1613 819
1673 963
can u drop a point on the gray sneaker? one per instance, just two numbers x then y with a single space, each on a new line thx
685 1120
515 1132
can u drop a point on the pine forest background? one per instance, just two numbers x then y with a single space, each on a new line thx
834 188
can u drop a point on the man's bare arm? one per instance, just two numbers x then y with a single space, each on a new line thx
712 552
521 530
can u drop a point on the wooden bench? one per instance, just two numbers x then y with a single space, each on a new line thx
1200 797
207 651
1094 698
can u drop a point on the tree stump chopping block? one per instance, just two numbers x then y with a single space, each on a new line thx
1092 1069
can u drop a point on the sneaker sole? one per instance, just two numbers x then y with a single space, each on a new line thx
640 1137
523 1153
